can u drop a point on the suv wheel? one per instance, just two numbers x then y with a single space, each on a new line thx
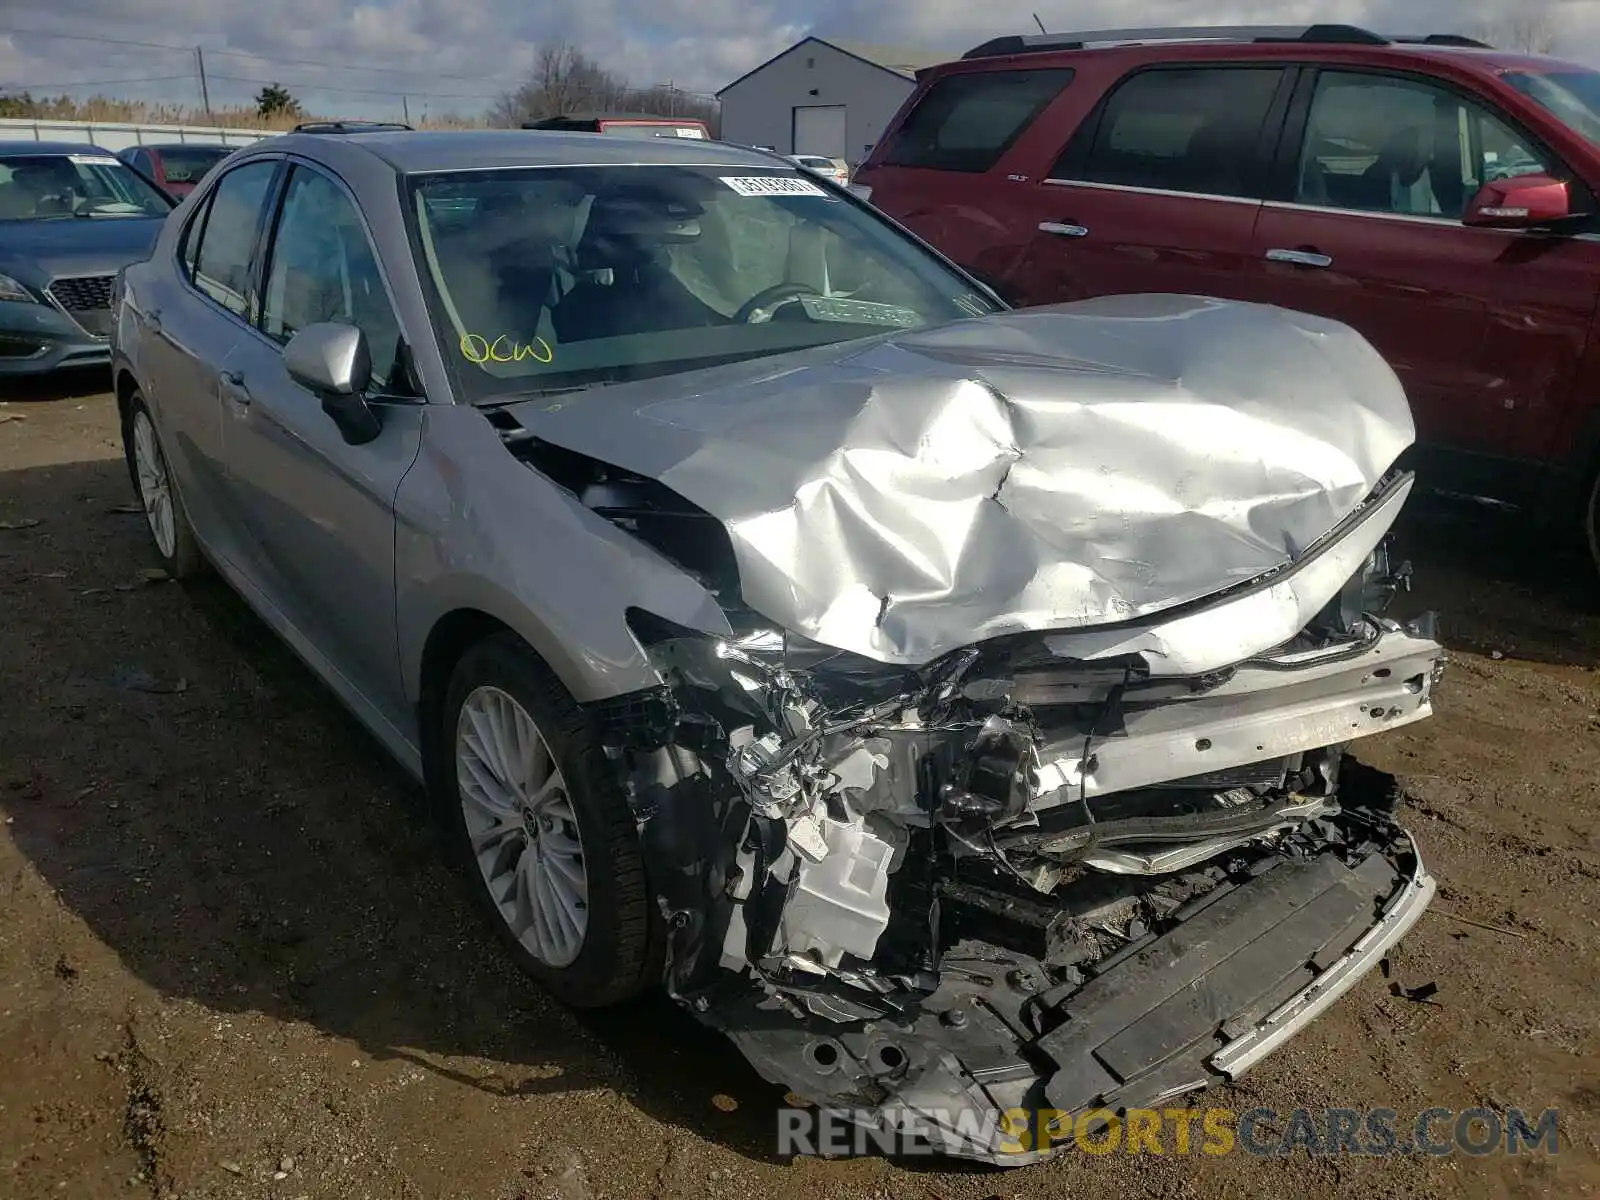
158 493
541 828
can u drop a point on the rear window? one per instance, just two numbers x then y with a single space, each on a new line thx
966 122
189 165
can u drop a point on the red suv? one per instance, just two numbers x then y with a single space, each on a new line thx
1436 194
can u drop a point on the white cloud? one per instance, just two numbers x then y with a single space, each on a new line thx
457 54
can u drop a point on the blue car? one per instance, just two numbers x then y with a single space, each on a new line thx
71 217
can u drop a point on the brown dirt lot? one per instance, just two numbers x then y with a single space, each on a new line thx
231 963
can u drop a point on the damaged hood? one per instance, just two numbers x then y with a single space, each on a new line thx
1048 469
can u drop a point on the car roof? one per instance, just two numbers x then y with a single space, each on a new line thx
1331 44
164 146
451 150
53 149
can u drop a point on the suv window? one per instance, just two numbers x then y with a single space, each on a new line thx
966 122
323 269
1190 130
1385 144
222 266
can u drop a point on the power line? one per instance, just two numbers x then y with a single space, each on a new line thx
90 37
270 61
397 90
264 58
77 83
308 62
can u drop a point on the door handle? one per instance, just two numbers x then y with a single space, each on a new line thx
1064 229
236 384
1300 258
152 318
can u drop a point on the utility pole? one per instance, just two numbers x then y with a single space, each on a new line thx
205 92
405 108
672 99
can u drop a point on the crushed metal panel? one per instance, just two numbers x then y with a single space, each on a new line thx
1057 468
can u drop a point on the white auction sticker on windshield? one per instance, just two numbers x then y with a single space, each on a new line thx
772 185
93 160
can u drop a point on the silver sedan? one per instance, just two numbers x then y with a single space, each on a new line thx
951 704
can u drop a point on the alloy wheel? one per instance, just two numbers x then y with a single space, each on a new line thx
155 486
522 826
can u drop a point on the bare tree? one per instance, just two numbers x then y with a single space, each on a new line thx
1533 33
566 80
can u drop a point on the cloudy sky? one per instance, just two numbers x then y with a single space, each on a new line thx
457 55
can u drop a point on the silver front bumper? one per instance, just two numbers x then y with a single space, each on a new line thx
1288 1019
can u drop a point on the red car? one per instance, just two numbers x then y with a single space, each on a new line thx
1434 193
177 167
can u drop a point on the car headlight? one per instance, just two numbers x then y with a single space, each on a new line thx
10 289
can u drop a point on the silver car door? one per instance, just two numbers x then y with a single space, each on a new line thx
191 316
321 510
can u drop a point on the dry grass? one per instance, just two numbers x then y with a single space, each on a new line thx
137 112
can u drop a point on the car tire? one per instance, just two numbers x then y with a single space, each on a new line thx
500 686
157 493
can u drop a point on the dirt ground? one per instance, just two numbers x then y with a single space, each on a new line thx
231 963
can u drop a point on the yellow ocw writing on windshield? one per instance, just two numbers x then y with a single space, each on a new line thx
504 349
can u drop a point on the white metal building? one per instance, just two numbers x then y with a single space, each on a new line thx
821 96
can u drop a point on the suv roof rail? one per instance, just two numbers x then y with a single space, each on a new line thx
352 127
1349 35
1445 39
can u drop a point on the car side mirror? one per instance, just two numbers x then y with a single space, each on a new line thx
1520 202
333 362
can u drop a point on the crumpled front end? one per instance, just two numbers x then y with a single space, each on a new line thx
1010 770
1056 872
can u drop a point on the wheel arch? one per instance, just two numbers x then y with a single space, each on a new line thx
451 636
125 386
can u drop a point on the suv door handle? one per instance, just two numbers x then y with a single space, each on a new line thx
152 318
1064 229
1300 258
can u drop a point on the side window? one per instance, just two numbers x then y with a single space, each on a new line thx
222 266
323 269
967 122
1191 130
140 162
189 254
1382 144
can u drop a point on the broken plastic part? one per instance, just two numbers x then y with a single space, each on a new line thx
848 854
840 901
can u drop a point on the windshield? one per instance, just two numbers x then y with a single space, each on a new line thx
42 187
189 165
553 278
1571 96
